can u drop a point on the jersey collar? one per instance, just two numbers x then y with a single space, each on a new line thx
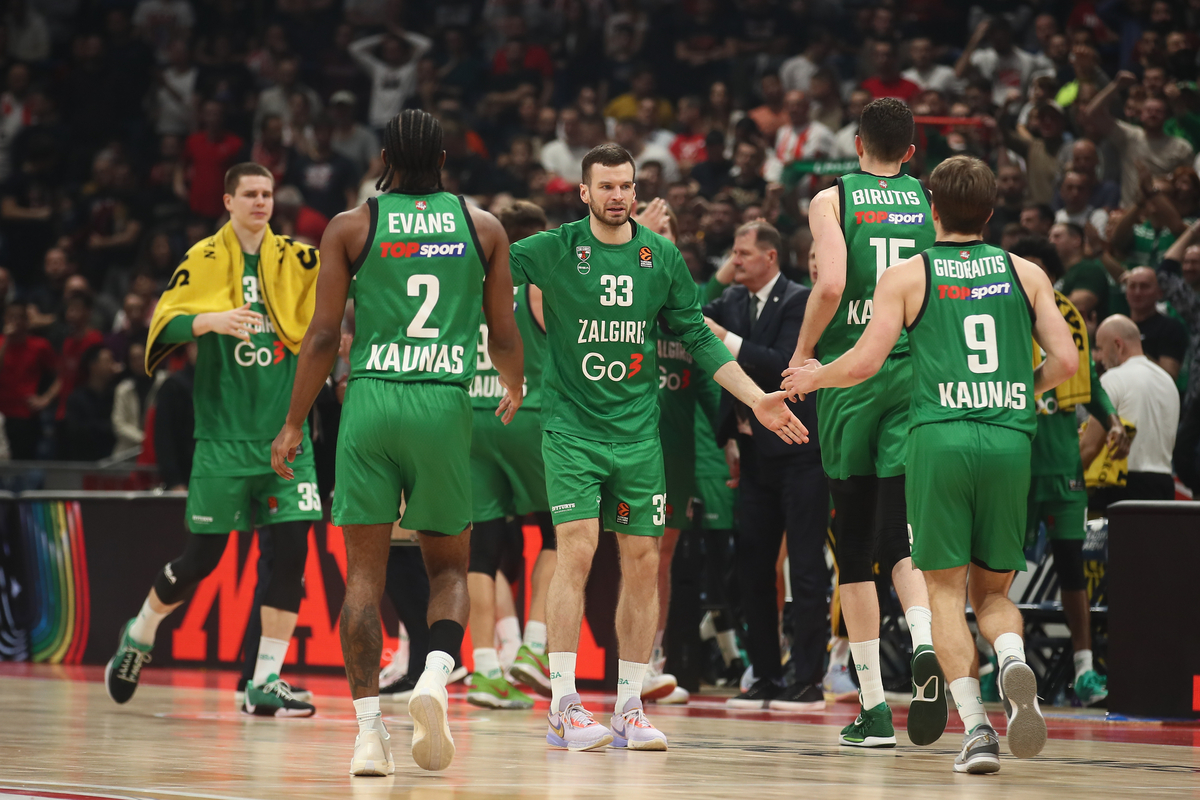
971 243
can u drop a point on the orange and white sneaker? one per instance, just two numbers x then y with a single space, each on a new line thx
631 729
573 728
657 684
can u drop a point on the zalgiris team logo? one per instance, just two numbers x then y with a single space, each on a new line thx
583 252
965 255
882 183
421 205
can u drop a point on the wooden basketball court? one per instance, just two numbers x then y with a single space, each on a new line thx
180 738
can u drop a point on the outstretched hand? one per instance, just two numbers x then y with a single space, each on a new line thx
283 450
798 381
772 411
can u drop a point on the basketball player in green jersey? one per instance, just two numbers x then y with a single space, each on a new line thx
605 280
968 308
869 221
509 479
242 373
418 258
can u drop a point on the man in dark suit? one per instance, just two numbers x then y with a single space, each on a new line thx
782 486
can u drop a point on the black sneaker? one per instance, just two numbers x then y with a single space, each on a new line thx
275 699
298 692
799 697
732 674
125 667
399 690
759 695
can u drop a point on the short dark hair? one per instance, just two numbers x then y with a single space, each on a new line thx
1044 211
1043 251
766 235
886 128
244 170
964 190
522 217
606 155
1075 229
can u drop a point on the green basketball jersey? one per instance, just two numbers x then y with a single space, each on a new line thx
678 380
486 390
601 304
973 354
418 291
885 220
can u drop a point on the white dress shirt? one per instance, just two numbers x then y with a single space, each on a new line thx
732 340
1144 394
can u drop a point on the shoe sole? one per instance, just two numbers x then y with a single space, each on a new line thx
843 697
659 745
980 765
1027 728
870 741
659 691
432 745
491 701
272 711
670 701
796 706
379 765
574 747
927 715
108 670
534 679
750 704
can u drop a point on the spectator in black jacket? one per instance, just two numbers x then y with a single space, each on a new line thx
87 431
174 425
783 486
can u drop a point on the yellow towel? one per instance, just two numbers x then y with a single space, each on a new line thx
210 279
1078 388
1106 470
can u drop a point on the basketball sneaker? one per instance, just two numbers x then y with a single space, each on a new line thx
533 670
980 752
1091 688
872 728
757 696
678 697
1026 726
397 666
432 744
460 673
838 686
125 667
574 728
399 690
632 730
373 753
927 710
496 693
657 684
275 699
298 692
799 697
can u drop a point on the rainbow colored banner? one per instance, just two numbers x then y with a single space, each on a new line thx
56 566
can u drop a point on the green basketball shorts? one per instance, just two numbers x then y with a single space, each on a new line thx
411 439
967 489
507 473
1060 502
238 502
863 429
681 486
718 502
622 483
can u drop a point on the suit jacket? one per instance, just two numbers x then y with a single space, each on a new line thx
767 347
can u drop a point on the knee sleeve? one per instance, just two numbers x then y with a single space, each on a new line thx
854 499
549 537
200 557
286 587
512 553
487 539
892 545
1068 560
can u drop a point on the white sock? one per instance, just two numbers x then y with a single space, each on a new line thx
145 624
509 630
629 682
1083 663
1009 645
367 711
562 678
487 662
970 703
920 625
839 653
727 641
439 664
870 681
535 637
271 653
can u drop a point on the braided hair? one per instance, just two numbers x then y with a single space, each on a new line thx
412 142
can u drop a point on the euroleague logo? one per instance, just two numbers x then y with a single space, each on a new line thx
645 258
623 513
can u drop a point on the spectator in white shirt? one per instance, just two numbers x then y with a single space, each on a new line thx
564 156
843 146
393 72
631 135
799 140
175 96
350 139
1006 66
927 74
1144 394
797 72
277 101
1076 208
15 113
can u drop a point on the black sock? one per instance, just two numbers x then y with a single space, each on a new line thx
446 635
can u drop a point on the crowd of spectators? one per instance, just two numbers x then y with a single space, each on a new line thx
118 120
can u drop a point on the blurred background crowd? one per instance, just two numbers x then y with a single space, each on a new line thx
118 119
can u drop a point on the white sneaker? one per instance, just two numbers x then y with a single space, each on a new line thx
432 744
372 753
397 666
459 673
678 697
657 685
